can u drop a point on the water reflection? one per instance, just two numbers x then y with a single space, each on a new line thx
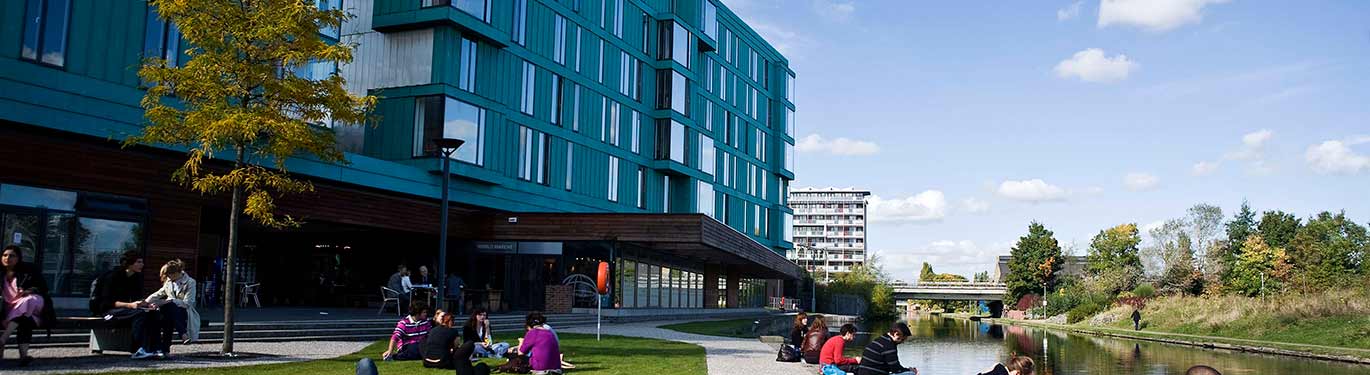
950 346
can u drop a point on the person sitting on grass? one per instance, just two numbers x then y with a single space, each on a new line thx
1016 365
440 342
881 356
541 346
478 329
409 333
831 355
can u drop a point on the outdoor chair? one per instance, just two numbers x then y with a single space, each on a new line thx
388 295
250 293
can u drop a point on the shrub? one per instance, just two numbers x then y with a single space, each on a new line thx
1084 311
1144 291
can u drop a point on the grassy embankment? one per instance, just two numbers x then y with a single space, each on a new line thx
739 328
613 355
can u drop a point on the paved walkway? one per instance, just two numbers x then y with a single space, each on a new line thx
725 355
81 360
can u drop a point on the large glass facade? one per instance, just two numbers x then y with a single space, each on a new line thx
446 117
73 236
647 285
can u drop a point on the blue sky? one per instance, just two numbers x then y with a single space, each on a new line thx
970 119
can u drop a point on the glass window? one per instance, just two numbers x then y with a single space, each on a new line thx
710 20
162 40
646 32
680 45
654 284
613 179
26 196
533 152
706 154
467 80
789 122
680 99
671 141
570 163
636 132
614 108
618 18
760 149
557 96
45 31
578 55
330 32
643 280
708 115
789 87
575 108
529 85
665 193
789 157
641 187
787 225
520 21
599 61
559 41
446 117
627 282
705 196
98 249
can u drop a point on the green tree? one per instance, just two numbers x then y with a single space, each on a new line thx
1113 262
927 274
1278 228
1035 260
1329 251
1242 225
981 277
236 99
1259 269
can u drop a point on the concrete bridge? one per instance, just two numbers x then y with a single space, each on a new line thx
956 291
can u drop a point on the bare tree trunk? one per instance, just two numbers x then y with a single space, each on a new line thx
230 262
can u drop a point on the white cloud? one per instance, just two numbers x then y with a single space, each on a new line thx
1152 15
1034 190
834 10
815 143
1069 12
1337 157
1137 181
1148 227
928 206
1204 168
975 206
1253 146
1252 152
1093 65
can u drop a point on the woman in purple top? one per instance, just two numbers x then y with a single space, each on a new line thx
541 347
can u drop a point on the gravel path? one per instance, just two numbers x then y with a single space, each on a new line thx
725 355
81 360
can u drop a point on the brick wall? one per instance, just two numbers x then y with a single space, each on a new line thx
558 298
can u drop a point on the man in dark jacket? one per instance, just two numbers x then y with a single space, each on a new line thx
118 295
881 356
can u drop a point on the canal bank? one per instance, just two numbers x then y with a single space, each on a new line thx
1329 353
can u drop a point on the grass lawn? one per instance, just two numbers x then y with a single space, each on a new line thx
613 355
1331 319
739 328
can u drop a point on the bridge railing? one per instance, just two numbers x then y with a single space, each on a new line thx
956 285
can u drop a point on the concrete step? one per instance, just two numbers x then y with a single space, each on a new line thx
355 329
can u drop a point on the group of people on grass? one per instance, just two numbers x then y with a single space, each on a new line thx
436 342
117 296
810 337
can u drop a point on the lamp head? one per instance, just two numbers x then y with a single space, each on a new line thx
448 145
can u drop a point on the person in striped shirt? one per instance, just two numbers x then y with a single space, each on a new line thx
881 356
409 334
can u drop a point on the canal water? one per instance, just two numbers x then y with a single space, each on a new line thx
956 346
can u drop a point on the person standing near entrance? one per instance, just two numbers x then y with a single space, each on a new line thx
456 292
400 283
26 304
1136 319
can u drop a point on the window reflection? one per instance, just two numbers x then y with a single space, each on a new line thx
27 196
445 117
99 243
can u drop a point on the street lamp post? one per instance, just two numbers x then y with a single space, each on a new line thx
446 147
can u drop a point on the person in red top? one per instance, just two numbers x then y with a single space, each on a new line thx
831 354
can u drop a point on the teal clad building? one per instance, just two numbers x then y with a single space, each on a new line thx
656 135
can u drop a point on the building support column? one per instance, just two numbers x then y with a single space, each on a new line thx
711 286
734 280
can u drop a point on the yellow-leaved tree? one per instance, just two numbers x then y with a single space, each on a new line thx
238 99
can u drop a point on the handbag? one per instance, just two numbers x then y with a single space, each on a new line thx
788 353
